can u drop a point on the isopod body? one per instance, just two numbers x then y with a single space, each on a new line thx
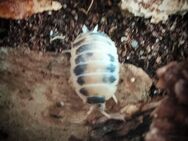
94 68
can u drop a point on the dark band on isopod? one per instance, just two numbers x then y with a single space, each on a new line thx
79 59
76 44
84 92
83 48
111 68
80 80
109 79
95 99
80 69
89 54
83 57
112 59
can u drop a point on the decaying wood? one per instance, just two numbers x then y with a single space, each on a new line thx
37 101
19 9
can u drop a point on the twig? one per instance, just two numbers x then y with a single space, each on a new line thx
84 11
90 6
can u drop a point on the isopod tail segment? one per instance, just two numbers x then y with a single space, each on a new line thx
101 108
98 103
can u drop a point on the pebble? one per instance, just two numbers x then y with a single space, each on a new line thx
141 52
123 39
158 60
64 6
134 44
155 92
49 12
76 17
157 40
133 79
51 32
148 49
103 19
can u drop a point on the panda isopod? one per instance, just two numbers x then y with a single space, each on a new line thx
94 68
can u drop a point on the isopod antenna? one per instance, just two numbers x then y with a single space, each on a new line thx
60 37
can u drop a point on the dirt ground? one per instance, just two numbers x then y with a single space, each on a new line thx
139 42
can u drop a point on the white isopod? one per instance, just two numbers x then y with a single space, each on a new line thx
94 68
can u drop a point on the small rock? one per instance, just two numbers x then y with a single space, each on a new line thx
157 40
134 44
64 6
123 39
148 49
141 52
103 19
133 79
158 60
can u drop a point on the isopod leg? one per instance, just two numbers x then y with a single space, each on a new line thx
91 110
101 107
84 99
59 37
102 110
115 99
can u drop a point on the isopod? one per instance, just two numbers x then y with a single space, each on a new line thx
94 68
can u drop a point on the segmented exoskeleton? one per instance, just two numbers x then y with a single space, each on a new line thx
94 68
